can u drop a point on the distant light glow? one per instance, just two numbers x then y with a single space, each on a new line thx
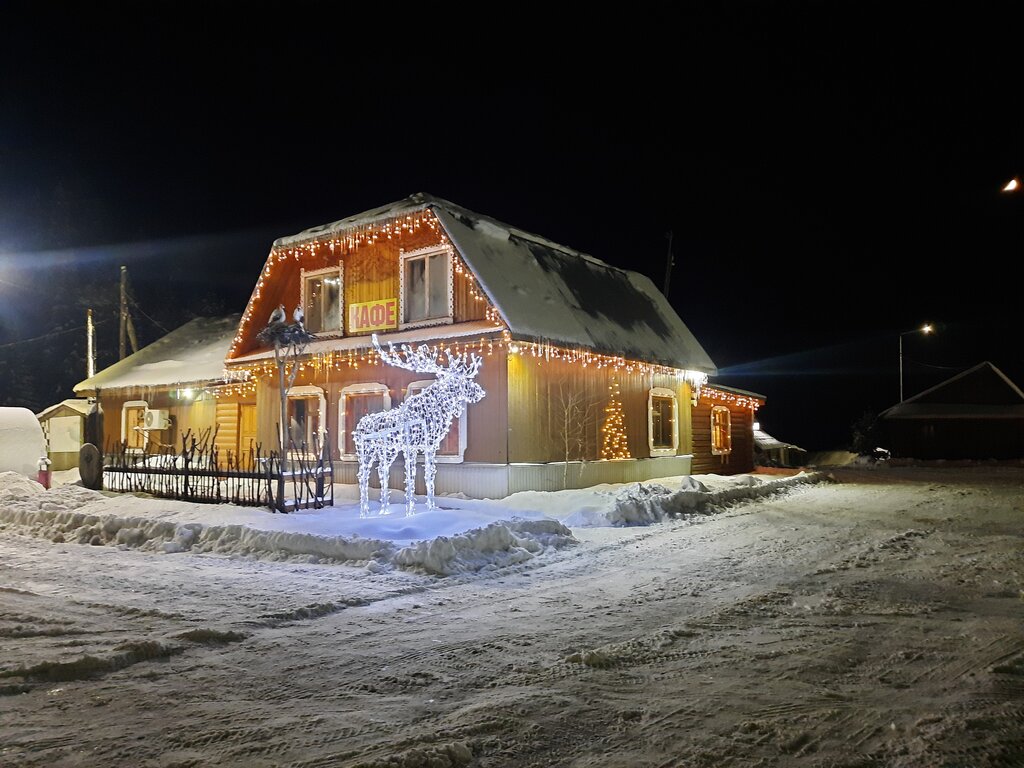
1012 185
757 426
927 328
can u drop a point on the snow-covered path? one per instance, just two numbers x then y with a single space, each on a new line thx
878 621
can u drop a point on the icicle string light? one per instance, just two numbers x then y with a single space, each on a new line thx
322 364
721 397
350 241
339 244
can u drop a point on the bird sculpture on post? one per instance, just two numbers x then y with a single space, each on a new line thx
278 316
289 342
416 426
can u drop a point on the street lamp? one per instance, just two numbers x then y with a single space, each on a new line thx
926 329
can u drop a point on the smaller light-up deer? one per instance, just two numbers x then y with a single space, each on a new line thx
416 426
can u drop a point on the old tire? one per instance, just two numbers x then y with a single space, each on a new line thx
90 466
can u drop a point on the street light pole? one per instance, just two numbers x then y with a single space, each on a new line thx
926 329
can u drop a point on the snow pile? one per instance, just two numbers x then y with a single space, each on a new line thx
650 502
433 541
21 441
496 546
465 535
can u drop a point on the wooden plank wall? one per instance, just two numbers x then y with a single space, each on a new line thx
226 418
197 415
538 391
486 424
742 457
370 274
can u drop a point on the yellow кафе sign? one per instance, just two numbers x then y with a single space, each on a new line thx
373 315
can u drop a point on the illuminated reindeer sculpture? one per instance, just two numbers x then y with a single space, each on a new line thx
416 426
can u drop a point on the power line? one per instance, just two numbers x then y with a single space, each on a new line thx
142 312
51 335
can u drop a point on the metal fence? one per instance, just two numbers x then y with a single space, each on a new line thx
200 472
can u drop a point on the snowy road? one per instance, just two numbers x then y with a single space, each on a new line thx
874 622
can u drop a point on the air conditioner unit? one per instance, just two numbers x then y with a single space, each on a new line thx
157 419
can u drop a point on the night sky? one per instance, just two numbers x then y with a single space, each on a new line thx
831 173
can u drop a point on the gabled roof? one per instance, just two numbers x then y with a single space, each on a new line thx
191 354
546 292
979 392
79 405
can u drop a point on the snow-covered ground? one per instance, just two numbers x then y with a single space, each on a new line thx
459 535
875 621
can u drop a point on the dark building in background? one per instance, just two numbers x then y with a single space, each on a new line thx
977 414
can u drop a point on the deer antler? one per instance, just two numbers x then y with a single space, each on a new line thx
420 360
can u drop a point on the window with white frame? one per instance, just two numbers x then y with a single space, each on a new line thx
323 300
426 286
721 431
133 425
453 447
662 421
356 401
307 417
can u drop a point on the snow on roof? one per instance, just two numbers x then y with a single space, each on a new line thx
547 292
193 353
766 442
81 405
991 395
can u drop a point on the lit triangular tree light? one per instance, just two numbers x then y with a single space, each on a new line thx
614 444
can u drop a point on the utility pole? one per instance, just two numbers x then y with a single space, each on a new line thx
90 345
127 327
122 324
670 261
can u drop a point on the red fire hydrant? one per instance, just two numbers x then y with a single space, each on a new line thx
44 472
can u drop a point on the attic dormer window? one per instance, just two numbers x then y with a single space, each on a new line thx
426 289
323 299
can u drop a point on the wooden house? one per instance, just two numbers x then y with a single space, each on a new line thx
723 430
590 374
977 414
173 387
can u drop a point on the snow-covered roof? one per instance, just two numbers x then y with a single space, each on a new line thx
547 292
766 442
190 354
80 405
981 392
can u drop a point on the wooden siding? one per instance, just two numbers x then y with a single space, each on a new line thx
486 421
226 417
740 460
371 273
539 393
198 415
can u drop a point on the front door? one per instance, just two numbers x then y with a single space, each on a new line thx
246 428
134 426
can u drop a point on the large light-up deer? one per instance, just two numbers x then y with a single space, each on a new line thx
416 426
